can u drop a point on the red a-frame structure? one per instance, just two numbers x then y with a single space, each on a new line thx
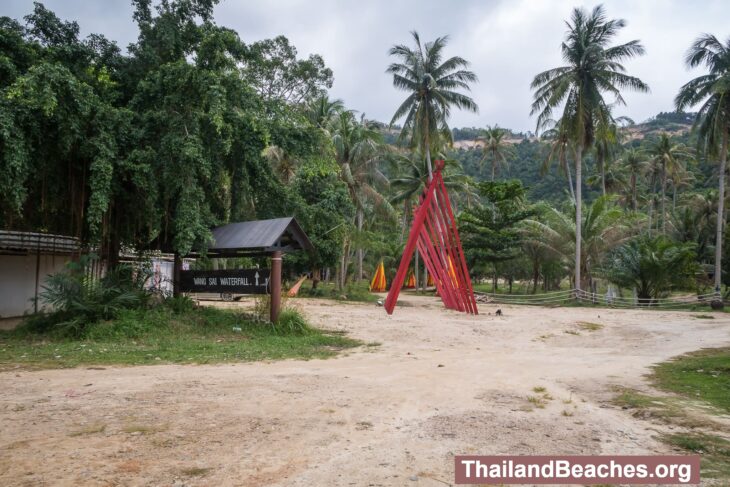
435 235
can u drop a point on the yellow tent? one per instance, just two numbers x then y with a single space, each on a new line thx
378 284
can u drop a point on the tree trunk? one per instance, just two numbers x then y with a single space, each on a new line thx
415 268
578 212
360 218
570 181
633 191
603 176
720 211
535 275
664 191
494 167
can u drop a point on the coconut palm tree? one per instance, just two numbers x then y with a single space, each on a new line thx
432 85
359 154
559 148
321 110
495 148
632 162
607 144
713 118
604 227
593 68
283 164
666 158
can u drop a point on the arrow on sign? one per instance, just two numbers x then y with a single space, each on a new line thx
257 278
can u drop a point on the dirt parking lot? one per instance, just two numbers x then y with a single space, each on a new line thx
430 383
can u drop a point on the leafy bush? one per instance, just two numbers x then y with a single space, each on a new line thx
180 304
654 266
77 299
291 322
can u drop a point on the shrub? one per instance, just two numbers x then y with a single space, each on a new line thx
77 299
291 322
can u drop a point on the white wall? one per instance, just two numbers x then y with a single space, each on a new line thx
17 281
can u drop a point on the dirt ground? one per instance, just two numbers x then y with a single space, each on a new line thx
430 384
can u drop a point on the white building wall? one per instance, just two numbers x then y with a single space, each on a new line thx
17 281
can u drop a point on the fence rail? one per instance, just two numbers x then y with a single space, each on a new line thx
579 295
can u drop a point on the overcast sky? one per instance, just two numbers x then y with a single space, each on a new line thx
507 42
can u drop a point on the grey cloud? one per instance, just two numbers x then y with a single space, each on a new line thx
508 42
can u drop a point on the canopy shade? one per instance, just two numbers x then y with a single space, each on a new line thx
259 237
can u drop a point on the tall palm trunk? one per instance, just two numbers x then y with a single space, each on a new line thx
720 210
602 163
664 191
633 191
570 181
578 212
494 167
360 218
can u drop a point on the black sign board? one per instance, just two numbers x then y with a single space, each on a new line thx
239 281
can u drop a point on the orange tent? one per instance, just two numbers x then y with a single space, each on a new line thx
295 288
378 284
411 283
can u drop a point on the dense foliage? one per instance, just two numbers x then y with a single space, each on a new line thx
191 128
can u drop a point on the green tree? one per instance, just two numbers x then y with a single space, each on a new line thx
432 84
632 162
652 266
489 232
713 118
593 68
359 154
496 149
604 227
666 158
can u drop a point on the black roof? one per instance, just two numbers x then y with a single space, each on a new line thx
260 236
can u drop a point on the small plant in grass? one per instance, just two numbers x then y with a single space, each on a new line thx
538 402
704 317
194 471
89 430
588 326
567 413
539 389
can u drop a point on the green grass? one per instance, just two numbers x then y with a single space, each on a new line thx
697 378
703 375
358 292
715 451
163 335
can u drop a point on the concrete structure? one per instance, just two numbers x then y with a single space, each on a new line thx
26 261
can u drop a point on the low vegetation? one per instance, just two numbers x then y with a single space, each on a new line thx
164 334
699 382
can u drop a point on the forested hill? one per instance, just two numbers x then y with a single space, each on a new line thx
528 154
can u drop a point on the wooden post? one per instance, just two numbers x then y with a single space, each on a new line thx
176 268
275 284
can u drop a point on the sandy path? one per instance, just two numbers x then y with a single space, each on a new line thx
440 384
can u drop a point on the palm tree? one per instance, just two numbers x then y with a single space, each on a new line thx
713 118
495 147
284 165
559 147
432 85
359 153
666 158
604 227
607 143
593 68
632 162
321 110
